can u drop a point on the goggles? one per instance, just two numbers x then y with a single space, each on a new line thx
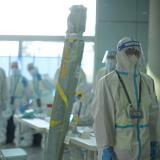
132 51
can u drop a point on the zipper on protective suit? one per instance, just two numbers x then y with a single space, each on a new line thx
135 114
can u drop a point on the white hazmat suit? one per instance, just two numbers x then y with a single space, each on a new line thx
81 112
19 100
42 94
81 107
126 123
41 90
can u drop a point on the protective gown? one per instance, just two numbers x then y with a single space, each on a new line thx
82 109
130 139
20 91
42 95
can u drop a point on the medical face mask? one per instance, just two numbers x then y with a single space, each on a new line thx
33 72
15 71
133 59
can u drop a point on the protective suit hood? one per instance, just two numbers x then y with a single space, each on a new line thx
125 63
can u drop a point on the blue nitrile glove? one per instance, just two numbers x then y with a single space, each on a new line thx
154 150
109 154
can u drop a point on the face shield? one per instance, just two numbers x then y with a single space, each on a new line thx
131 51
130 47
110 60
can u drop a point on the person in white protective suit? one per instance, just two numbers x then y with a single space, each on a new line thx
3 106
19 101
81 112
81 107
41 90
126 119
42 94
109 60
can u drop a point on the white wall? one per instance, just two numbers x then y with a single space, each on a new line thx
118 18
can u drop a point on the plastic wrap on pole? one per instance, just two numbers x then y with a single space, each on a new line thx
67 82
76 21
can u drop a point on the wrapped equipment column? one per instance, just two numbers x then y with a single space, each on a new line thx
67 82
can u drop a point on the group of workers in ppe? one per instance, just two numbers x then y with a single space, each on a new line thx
20 96
124 106
126 118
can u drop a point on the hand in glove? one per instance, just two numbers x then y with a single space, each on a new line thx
154 150
109 154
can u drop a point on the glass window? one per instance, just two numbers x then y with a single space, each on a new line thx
88 61
8 53
41 17
8 48
42 49
47 57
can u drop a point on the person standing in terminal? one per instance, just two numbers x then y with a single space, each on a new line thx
127 117
19 100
